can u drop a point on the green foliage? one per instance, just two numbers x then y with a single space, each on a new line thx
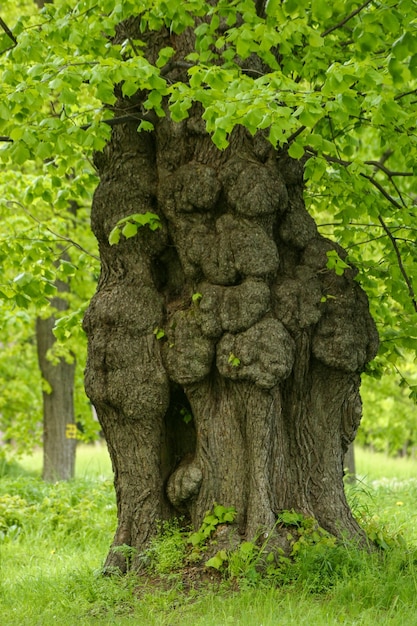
186 415
128 553
40 246
11 516
166 552
219 515
312 551
389 420
129 226
159 333
334 262
30 508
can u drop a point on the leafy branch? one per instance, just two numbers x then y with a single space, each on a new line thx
390 174
400 263
113 121
8 31
57 235
129 226
372 180
346 19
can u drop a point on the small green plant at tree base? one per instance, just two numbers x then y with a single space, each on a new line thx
166 552
315 557
128 553
219 515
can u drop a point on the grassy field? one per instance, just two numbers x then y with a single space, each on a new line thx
53 539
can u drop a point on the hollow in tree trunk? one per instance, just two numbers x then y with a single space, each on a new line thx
258 340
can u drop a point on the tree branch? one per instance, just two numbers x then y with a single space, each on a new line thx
387 171
57 235
295 134
371 179
8 31
406 93
114 121
400 263
384 192
346 19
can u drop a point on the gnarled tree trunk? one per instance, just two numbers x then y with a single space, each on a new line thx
262 344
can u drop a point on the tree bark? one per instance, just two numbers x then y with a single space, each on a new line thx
262 344
59 428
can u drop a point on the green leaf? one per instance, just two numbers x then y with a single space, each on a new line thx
334 262
219 138
405 46
159 333
130 230
146 126
179 109
114 236
129 88
321 9
164 55
22 279
196 538
218 560
296 150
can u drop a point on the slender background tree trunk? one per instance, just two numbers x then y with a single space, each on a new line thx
59 428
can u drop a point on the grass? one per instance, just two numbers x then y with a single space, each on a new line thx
53 539
91 462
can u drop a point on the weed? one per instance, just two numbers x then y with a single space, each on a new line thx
166 551
219 515
128 553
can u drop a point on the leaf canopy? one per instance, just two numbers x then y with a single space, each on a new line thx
337 87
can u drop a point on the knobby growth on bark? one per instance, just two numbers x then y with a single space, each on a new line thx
262 344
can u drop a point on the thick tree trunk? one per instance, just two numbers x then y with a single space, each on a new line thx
59 428
266 356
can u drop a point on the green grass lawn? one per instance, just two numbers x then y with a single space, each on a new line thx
53 539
